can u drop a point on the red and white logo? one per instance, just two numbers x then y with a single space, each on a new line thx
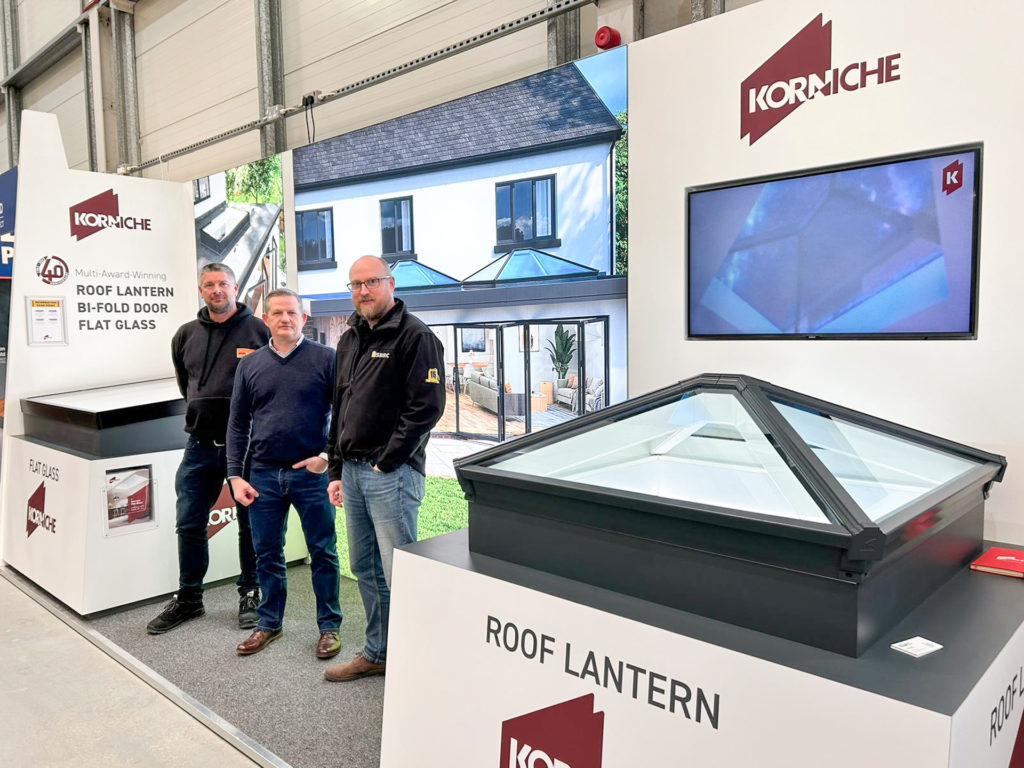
801 70
102 212
52 270
952 177
36 516
566 735
223 512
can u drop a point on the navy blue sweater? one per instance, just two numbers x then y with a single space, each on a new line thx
280 407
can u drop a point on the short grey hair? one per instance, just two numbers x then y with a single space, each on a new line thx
287 292
216 266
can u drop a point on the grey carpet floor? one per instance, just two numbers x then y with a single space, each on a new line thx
278 696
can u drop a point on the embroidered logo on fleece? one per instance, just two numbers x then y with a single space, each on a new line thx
433 377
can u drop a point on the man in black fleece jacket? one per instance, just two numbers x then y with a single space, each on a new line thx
206 352
388 395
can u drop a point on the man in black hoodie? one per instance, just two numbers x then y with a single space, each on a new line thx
206 352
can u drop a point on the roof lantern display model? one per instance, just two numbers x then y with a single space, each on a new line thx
732 498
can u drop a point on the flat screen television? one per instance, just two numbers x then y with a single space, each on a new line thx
881 249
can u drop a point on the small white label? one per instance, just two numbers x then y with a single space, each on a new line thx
916 647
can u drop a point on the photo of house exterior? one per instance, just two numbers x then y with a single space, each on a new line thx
497 214
241 226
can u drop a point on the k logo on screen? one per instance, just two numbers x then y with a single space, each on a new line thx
952 177
36 516
566 735
103 211
801 71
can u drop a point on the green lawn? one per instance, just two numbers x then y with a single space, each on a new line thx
444 509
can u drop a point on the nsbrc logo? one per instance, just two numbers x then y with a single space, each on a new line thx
102 212
952 177
801 70
566 735
52 270
36 516
223 512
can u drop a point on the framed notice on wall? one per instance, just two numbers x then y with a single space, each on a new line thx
46 321
129 499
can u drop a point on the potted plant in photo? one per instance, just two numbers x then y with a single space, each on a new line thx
561 350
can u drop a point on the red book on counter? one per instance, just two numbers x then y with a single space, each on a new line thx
1006 562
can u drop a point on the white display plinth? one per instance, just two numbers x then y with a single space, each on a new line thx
68 546
481 652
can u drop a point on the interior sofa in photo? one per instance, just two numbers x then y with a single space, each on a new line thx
567 393
482 389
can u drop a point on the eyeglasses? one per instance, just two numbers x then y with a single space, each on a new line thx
371 283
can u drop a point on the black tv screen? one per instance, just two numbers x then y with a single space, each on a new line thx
882 249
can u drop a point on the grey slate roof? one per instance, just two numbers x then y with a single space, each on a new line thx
548 110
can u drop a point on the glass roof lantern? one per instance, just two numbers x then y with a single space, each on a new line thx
729 497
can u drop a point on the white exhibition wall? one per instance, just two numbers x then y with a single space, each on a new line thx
957 84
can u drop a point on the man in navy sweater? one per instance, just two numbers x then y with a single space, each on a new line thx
280 412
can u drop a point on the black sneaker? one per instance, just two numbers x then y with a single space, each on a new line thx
177 612
248 618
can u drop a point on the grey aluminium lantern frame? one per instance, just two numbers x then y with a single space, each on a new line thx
837 583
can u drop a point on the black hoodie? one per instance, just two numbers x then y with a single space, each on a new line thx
205 355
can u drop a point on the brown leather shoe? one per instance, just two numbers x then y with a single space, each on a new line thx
353 670
257 641
329 645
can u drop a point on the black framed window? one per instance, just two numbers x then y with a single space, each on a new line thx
396 228
200 189
525 213
315 238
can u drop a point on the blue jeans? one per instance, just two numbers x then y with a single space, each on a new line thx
198 483
307 492
380 513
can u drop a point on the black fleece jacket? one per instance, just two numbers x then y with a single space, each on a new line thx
388 392
205 355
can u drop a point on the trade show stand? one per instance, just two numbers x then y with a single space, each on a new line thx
92 501
492 663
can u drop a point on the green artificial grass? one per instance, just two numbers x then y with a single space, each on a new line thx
444 510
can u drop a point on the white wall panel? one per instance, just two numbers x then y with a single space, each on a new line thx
423 27
39 21
196 70
61 90
684 131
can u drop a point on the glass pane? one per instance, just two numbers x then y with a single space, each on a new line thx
594 341
478 382
326 235
523 264
404 225
542 191
881 472
544 412
703 448
522 207
387 227
308 244
503 212
446 334
514 371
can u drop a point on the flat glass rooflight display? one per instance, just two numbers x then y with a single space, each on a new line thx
730 497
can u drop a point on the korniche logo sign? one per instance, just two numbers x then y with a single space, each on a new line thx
102 212
223 512
36 516
566 735
952 177
801 71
